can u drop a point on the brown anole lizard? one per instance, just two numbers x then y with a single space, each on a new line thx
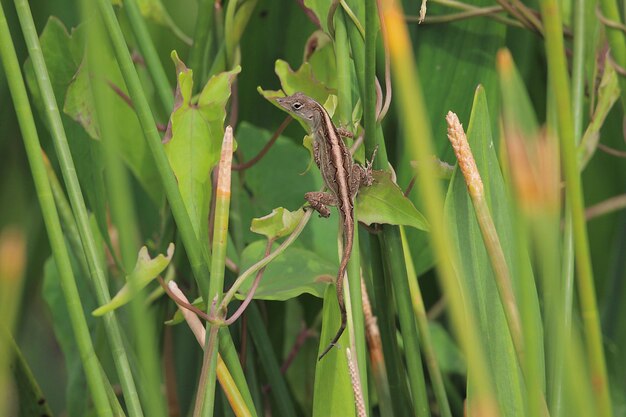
342 176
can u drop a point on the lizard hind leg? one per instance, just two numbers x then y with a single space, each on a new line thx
320 202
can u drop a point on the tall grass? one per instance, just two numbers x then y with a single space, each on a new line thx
477 281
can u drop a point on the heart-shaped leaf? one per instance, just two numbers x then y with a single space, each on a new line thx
296 271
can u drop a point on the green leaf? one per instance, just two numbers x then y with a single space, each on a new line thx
452 60
384 202
280 222
62 52
194 137
320 8
302 80
296 271
322 60
156 12
146 269
64 55
332 392
483 298
79 104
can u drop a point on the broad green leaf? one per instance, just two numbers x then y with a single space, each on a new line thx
280 222
194 137
146 269
483 298
62 52
64 55
79 103
384 202
296 271
303 80
452 60
322 60
320 8
332 392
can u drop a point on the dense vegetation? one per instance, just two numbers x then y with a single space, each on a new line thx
152 185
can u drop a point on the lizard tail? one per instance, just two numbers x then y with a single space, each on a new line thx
342 306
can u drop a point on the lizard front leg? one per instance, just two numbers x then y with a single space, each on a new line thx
361 176
345 133
320 200
316 153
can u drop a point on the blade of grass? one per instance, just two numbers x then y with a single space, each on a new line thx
395 270
122 211
77 202
356 325
68 223
394 264
382 302
413 116
344 113
196 251
51 219
206 386
372 127
202 39
270 365
231 361
555 387
557 70
153 63
377 359
422 324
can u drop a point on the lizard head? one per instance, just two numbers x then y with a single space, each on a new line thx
302 106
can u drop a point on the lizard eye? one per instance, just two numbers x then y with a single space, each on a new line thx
297 105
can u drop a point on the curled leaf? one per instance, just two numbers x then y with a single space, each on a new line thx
280 222
146 269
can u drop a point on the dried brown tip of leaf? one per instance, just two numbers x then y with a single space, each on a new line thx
534 168
226 161
463 153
